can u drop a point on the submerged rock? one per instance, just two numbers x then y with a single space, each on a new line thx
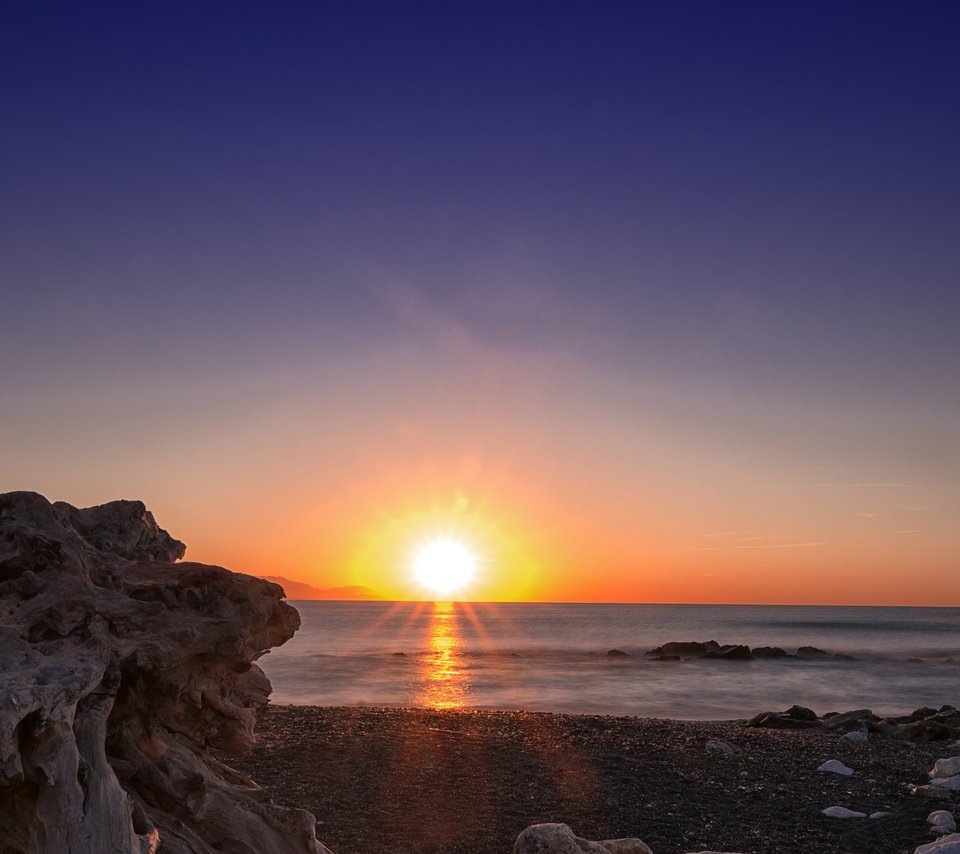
730 652
118 669
685 649
560 839
812 652
770 652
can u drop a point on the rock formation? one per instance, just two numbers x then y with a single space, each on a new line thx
119 669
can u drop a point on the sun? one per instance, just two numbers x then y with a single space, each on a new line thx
444 565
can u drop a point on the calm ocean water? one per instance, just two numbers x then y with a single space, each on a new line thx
552 657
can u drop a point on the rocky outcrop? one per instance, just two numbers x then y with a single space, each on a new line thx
560 839
737 652
119 670
938 725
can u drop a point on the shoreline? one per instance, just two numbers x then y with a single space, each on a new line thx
468 781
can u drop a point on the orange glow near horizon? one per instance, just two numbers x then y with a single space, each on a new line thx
549 529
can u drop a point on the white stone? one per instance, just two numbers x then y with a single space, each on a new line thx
942 818
944 845
835 766
880 814
842 812
951 783
858 736
946 767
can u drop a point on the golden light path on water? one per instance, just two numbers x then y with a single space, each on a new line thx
443 678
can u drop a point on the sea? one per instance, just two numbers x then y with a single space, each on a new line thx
553 657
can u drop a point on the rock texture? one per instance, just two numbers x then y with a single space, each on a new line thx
119 668
560 839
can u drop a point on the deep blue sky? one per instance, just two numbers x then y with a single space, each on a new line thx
722 210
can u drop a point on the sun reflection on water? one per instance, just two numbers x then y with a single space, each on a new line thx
443 677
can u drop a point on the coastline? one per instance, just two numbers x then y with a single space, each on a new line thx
468 781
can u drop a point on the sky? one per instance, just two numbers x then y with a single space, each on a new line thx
642 302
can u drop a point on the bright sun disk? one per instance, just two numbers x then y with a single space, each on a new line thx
444 565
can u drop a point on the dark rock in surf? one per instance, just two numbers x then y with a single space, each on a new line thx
617 653
730 652
770 652
685 649
666 658
812 653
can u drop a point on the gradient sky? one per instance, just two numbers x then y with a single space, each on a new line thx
646 302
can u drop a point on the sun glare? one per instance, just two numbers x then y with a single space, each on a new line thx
444 565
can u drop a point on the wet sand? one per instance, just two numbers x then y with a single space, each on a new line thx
414 780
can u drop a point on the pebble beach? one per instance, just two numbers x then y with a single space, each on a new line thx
468 782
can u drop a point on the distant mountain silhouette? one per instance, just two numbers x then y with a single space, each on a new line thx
302 590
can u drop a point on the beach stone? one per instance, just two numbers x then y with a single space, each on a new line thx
842 812
796 717
879 814
722 747
835 766
944 845
946 767
951 783
928 791
942 818
555 838
858 719
923 731
105 640
858 736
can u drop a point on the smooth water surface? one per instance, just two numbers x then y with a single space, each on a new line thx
552 657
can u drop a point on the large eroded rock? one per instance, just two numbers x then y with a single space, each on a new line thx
119 668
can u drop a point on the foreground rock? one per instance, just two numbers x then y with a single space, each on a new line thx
946 774
944 845
560 839
118 670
